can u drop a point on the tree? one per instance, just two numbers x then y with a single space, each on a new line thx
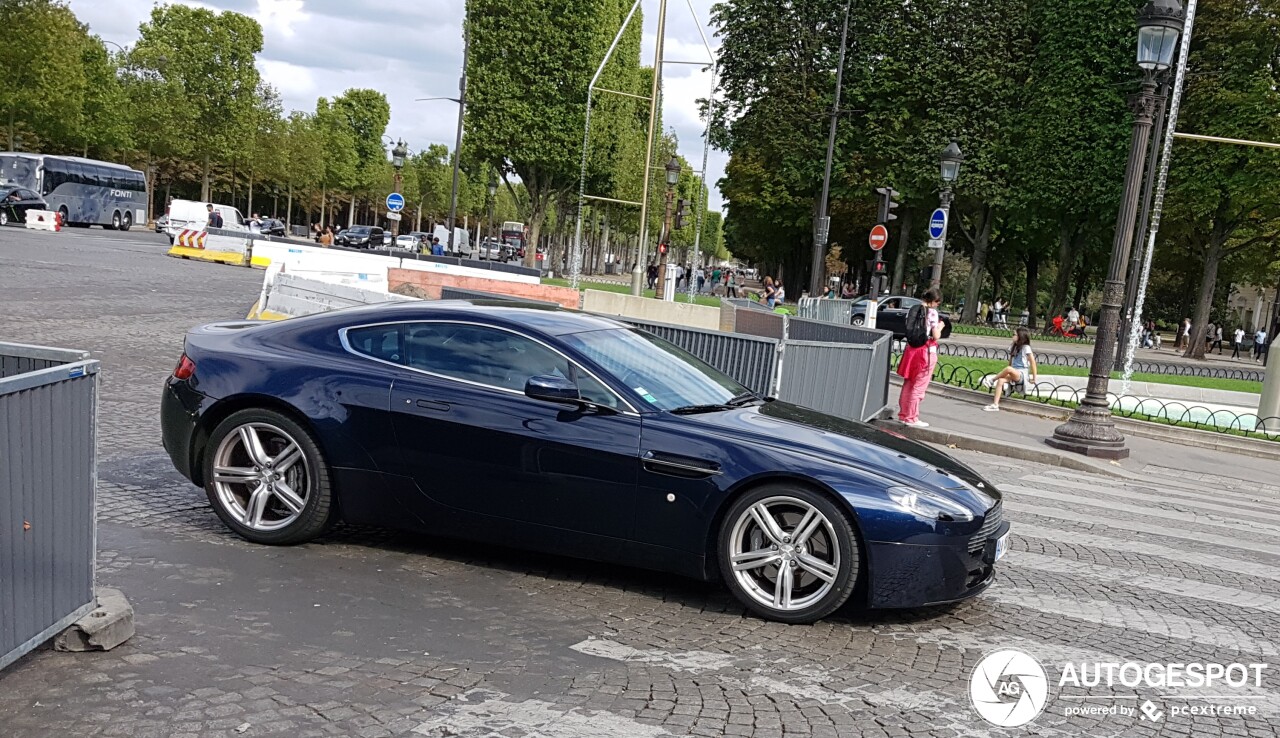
42 48
341 158
104 123
366 114
1226 196
211 57
304 157
528 69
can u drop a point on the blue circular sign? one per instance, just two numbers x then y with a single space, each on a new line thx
938 223
395 202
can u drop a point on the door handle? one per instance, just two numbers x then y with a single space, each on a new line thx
435 405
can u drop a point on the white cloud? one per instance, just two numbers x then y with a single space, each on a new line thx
410 50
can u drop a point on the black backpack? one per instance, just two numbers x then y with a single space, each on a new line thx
917 333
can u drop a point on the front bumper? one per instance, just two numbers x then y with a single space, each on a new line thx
910 575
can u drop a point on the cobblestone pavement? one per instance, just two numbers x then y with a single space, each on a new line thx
373 633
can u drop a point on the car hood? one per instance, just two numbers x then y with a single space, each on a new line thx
793 428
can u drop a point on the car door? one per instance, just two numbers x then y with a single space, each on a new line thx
892 315
474 442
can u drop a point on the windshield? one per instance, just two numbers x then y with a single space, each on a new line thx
18 170
358 230
664 375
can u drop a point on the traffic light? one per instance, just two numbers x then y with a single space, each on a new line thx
683 211
877 267
662 248
887 204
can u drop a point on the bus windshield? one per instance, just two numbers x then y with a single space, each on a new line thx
19 170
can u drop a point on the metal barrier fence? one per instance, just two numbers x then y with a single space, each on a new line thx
831 311
1082 362
1150 409
751 360
48 462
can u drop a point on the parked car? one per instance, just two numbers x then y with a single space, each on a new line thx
461 241
387 239
162 223
493 249
407 241
891 314
548 429
194 215
270 227
360 237
15 202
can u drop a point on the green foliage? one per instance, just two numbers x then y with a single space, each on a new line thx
42 53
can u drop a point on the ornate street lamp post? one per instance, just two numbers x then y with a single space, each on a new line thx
1090 430
398 155
664 244
950 162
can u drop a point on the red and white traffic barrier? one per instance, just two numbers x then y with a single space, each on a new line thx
190 239
44 220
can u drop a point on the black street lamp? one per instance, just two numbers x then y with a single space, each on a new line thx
1090 430
398 155
664 245
950 162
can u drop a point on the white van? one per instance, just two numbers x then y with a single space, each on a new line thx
462 245
194 215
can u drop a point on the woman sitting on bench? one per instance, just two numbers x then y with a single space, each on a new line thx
1022 367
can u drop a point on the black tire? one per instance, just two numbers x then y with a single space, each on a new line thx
859 320
65 220
319 511
840 537
4 217
127 222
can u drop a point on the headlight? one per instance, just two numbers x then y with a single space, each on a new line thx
929 505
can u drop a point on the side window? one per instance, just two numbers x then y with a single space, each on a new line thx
491 357
377 341
890 304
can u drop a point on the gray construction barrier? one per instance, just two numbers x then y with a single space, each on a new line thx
48 475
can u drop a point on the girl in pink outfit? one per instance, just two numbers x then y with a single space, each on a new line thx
918 362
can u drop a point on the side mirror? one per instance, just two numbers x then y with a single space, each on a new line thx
552 389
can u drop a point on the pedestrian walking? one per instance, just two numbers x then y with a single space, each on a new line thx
1217 339
1073 316
1184 336
1260 345
215 218
1025 318
1021 370
651 273
920 357
731 284
1237 341
846 291
326 237
701 276
436 248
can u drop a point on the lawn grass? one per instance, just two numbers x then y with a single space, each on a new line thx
991 366
968 329
625 289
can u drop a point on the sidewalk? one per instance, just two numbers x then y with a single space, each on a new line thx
958 416
1163 356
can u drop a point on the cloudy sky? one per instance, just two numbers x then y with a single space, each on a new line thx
412 49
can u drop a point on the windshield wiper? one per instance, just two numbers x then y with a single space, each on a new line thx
746 398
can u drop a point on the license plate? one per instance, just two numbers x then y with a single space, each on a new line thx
1002 546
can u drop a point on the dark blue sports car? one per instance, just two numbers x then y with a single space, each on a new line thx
572 434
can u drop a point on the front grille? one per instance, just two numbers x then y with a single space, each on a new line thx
995 516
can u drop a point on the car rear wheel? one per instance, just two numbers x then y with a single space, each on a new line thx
788 553
859 320
266 478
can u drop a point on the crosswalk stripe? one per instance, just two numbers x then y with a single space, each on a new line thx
1180 516
1261 509
1179 587
1111 615
1164 531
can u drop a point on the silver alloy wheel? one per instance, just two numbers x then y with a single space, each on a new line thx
784 553
261 476
859 320
4 217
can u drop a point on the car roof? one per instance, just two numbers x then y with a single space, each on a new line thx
551 320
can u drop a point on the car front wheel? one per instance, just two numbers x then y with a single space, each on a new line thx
788 553
859 320
266 478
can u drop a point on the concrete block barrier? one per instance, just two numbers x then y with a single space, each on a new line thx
215 245
43 220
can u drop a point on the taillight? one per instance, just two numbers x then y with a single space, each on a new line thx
186 368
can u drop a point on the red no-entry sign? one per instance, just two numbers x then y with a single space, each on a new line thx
879 237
